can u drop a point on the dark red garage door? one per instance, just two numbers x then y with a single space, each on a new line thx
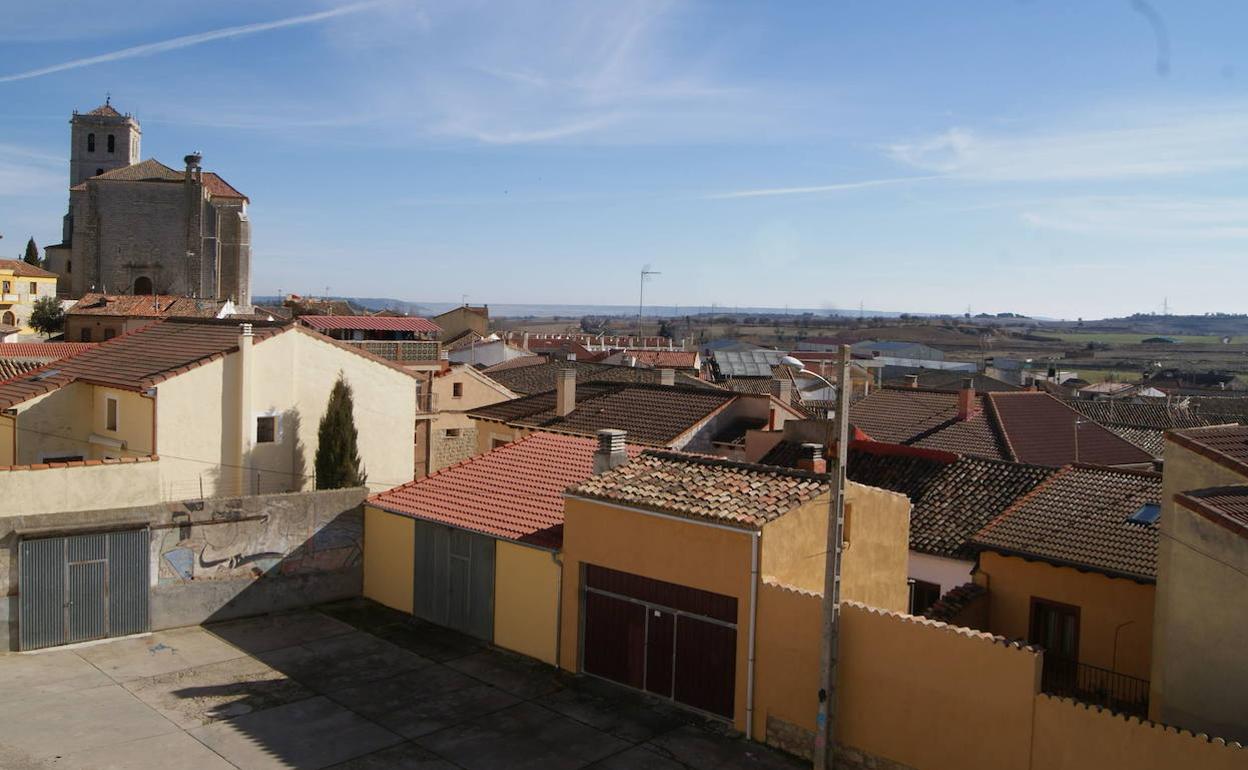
668 639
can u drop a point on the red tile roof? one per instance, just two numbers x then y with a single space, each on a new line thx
45 350
24 269
1226 506
514 492
1227 444
697 486
146 306
152 170
371 323
665 359
105 110
219 188
1042 430
1079 517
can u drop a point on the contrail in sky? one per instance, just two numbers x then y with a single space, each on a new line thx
186 41
767 192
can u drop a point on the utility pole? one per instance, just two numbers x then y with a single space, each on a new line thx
641 297
825 722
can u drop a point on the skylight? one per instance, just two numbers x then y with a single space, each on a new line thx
1148 514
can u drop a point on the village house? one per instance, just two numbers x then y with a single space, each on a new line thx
463 322
484 352
452 433
98 317
21 284
409 341
536 374
186 409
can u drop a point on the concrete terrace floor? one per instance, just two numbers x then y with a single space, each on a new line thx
353 686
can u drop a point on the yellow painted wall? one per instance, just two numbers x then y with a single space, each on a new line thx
686 553
488 430
135 413
55 424
8 439
526 601
19 289
874 562
1071 736
1108 606
389 558
1199 681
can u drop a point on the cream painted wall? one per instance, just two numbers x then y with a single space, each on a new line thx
135 413
55 424
874 562
526 600
389 558
192 431
80 487
946 573
477 391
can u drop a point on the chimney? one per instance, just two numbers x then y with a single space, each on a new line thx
912 380
966 400
243 393
782 389
192 165
811 459
525 344
611 452
667 376
565 392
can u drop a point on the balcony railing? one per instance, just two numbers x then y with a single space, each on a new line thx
402 351
426 403
1099 686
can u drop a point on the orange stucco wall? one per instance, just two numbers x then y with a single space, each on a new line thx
1115 618
683 552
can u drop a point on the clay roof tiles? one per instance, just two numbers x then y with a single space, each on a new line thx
371 323
665 359
514 492
1079 517
1228 443
24 269
649 414
695 486
1155 413
530 377
48 351
146 306
1227 506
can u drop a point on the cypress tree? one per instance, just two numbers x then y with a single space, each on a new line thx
337 457
32 253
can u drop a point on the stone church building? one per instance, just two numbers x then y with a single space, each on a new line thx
141 227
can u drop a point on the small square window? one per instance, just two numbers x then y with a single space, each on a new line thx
457 390
85 335
8 287
110 333
266 429
451 432
110 413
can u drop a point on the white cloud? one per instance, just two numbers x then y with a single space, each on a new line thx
1187 219
186 41
765 192
1136 147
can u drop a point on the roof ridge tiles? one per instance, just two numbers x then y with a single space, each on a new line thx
724 462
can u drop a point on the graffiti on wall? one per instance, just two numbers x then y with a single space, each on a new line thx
281 542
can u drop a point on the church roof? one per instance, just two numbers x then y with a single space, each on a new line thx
152 170
105 111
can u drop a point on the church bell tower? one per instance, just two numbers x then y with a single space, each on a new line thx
101 140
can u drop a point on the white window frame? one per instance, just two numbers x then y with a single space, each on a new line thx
116 402
277 427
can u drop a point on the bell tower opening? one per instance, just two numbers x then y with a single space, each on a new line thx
142 285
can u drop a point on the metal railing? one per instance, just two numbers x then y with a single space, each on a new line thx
402 351
1099 686
426 402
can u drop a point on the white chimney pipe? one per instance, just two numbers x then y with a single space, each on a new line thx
243 394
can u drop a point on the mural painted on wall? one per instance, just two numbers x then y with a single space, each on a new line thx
230 545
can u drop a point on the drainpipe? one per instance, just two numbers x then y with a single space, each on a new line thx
1113 666
554 556
749 663
244 408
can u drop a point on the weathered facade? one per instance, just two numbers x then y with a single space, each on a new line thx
144 228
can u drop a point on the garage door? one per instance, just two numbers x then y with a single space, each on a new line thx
454 579
81 587
671 640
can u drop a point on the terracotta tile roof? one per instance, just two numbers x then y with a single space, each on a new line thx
12 367
465 339
24 269
150 170
947 380
1155 413
1041 429
537 378
48 351
1079 518
1226 506
105 110
219 188
1228 444
1025 426
1220 409
696 486
517 363
146 306
665 359
514 492
763 385
649 414
136 360
371 323
955 600
952 497
1151 440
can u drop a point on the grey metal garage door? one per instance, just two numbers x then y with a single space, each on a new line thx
79 587
454 579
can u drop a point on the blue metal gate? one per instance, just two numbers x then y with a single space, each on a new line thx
80 587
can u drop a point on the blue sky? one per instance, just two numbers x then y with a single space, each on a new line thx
1055 158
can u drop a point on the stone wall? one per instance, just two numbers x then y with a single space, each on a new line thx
446 450
219 558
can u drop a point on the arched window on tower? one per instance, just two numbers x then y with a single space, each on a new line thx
142 285
90 142
9 319
112 143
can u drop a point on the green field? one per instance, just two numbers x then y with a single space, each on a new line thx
1124 338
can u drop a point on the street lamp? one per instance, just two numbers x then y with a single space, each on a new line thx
825 731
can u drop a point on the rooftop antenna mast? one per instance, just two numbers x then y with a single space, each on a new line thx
646 272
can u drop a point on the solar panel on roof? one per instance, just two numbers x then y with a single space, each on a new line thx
1147 514
747 363
44 375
